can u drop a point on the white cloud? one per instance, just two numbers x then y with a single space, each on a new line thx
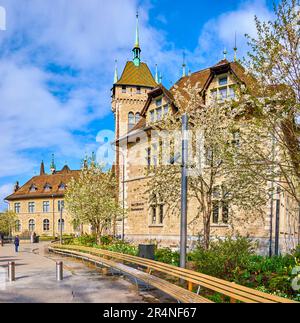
5 190
219 33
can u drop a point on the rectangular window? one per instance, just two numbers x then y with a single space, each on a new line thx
148 158
152 116
214 95
61 205
46 207
159 114
124 89
225 212
31 207
223 80
153 214
138 90
216 212
223 94
161 214
17 207
159 103
231 93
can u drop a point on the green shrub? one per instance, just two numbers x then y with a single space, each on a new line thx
120 247
223 258
166 255
85 240
106 240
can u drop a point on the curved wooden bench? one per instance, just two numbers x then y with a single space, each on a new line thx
234 291
178 293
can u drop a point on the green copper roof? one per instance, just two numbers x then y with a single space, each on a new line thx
137 75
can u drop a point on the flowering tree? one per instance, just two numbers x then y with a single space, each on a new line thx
274 100
91 198
212 133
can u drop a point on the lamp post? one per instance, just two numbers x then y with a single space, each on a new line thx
61 227
184 186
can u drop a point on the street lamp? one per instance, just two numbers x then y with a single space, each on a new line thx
61 227
184 187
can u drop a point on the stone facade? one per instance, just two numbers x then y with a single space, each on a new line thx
219 81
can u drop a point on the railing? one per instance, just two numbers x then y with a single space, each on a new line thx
194 279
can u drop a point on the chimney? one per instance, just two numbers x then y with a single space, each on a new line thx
16 187
42 169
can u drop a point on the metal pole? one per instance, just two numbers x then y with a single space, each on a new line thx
61 231
59 271
272 200
183 221
277 226
11 271
123 198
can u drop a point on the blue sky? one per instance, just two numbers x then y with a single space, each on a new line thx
57 61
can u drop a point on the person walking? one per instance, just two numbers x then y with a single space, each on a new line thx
17 243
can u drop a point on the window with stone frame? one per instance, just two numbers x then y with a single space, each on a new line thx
17 207
46 206
31 207
60 205
224 90
124 89
31 225
131 120
46 225
157 209
220 206
62 224
18 226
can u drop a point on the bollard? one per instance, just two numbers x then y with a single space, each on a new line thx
59 271
11 271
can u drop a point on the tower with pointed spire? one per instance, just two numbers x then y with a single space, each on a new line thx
52 166
42 169
183 65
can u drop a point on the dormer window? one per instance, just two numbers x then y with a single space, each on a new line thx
160 112
47 187
33 188
62 187
223 81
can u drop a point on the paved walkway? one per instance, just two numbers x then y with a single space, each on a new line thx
36 281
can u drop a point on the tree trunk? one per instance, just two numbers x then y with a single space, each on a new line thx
206 230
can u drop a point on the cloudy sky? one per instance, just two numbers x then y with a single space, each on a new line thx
57 63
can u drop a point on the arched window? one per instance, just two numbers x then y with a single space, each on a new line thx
18 226
137 117
46 225
131 120
31 226
62 225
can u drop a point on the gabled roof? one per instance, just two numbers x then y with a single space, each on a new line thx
137 75
158 91
54 181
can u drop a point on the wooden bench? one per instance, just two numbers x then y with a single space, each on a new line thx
180 294
234 291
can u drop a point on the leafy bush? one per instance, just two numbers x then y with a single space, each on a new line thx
223 257
106 240
85 240
121 247
166 255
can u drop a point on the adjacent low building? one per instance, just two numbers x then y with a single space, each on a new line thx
39 203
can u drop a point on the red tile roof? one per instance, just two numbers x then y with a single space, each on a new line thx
54 181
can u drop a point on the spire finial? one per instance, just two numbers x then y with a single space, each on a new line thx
235 48
156 74
52 165
137 36
183 65
42 168
137 50
225 53
160 78
116 77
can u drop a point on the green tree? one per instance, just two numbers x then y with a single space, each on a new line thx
7 222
